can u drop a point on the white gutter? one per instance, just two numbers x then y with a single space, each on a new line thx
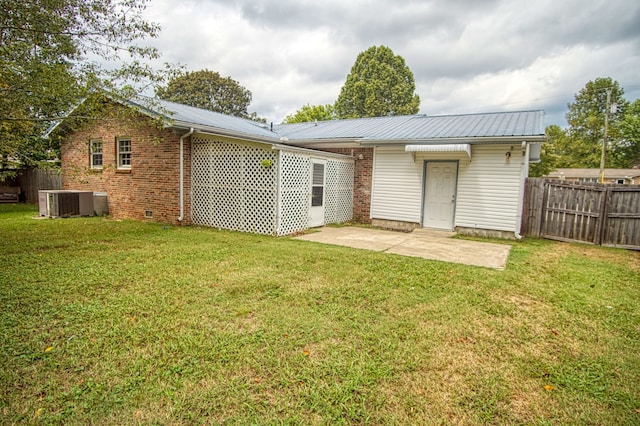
524 173
455 140
181 179
224 132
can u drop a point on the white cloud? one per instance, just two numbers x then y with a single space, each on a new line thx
467 56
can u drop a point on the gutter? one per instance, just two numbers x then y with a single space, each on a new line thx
181 178
224 132
447 141
524 173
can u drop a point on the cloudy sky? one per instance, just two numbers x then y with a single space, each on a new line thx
467 56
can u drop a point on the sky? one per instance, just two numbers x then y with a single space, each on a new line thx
467 56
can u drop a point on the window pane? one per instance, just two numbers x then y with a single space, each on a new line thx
95 148
316 196
124 153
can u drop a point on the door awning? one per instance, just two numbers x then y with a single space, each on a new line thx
453 147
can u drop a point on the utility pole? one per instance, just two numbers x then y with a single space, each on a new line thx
604 137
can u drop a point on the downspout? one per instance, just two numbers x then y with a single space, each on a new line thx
181 179
524 173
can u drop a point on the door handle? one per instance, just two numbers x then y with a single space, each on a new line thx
453 198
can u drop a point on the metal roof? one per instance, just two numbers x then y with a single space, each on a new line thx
184 116
389 129
420 127
467 128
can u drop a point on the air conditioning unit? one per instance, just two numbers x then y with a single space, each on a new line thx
65 203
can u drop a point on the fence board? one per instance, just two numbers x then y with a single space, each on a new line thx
623 218
591 213
532 206
32 180
571 212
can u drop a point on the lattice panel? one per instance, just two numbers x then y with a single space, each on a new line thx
294 192
339 191
231 189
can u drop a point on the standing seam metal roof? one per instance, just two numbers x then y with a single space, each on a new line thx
391 128
520 123
198 117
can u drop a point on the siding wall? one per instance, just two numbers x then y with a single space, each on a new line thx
397 185
488 190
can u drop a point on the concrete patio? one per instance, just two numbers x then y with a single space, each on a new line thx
425 243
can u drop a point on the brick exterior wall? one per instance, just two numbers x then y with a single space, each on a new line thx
362 181
152 183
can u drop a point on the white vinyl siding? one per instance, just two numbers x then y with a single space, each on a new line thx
488 191
489 188
397 185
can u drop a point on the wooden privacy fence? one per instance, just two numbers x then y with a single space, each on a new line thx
589 212
32 180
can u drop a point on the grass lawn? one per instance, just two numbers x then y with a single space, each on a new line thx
119 322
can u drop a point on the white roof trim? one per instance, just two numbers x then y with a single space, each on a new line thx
454 147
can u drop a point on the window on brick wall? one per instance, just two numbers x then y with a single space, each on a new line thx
124 153
95 153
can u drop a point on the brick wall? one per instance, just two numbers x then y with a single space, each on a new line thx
362 181
152 183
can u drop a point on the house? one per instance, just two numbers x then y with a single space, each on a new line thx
616 176
204 168
457 172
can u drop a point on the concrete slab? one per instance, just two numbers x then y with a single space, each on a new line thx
424 243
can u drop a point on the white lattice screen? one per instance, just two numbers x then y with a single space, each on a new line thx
295 187
339 191
232 188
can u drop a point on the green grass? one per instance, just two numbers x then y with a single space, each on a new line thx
120 322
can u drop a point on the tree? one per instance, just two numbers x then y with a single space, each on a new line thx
379 84
55 52
586 119
556 139
312 113
208 90
628 152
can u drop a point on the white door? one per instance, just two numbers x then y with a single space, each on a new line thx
439 195
316 208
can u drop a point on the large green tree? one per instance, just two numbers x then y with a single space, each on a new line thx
586 119
208 90
55 52
628 150
556 137
312 113
379 84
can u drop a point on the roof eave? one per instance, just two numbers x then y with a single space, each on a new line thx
211 130
466 140
323 143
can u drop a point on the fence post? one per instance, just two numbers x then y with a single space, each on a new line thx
543 207
602 224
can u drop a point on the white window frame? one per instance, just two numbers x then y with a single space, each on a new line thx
94 153
120 154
